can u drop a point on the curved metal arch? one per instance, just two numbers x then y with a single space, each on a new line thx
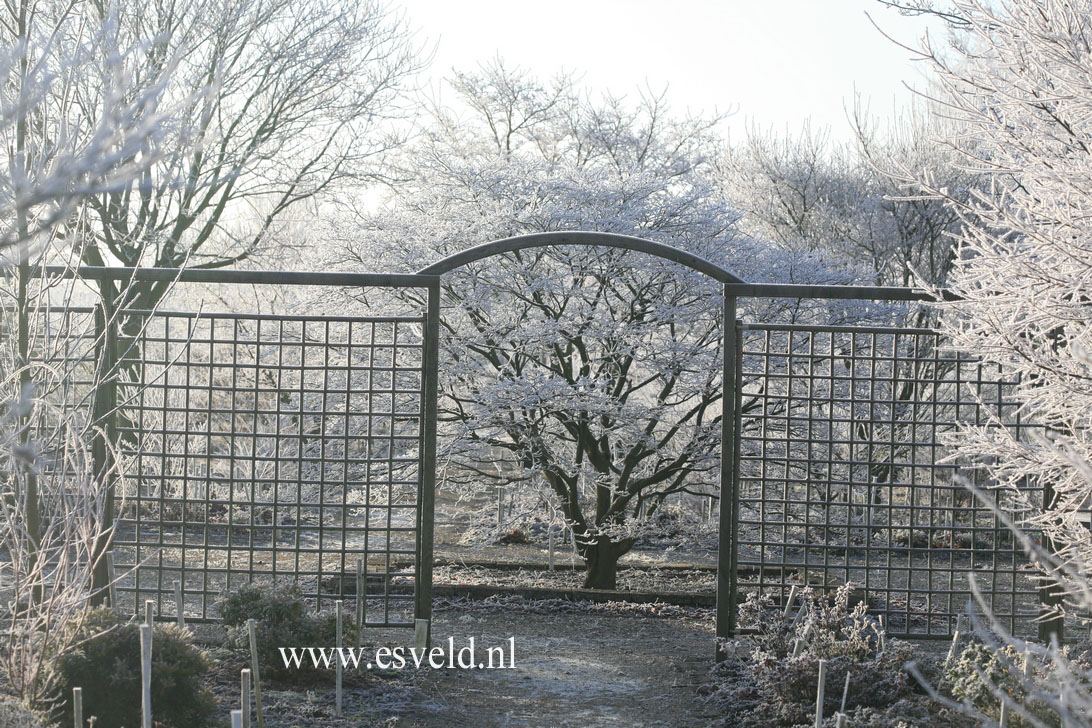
586 238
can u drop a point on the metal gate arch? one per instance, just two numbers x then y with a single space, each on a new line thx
726 554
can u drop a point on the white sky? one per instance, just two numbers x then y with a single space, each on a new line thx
775 63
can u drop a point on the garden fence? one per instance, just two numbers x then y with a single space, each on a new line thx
283 448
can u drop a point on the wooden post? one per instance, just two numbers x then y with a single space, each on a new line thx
420 633
340 604
77 707
550 543
146 676
728 522
798 645
112 576
179 605
244 695
361 595
236 719
252 629
149 611
500 506
821 694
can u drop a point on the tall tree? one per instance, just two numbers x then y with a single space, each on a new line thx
596 369
56 151
856 201
283 100
1018 81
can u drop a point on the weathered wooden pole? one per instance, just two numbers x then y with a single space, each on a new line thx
146 675
252 630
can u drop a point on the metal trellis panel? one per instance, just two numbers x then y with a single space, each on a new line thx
271 448
846 474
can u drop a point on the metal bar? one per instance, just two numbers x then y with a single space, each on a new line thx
1050 592
581 237
726 553
257 277
427 467
867 293
838 329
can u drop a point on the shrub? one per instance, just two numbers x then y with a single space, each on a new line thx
977 668
283 620
769 686
14 714
107 667
981 670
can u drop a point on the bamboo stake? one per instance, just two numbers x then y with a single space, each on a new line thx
340 604
179 605
244 695
252 629
845 694
789 602
797 618
1003 720
77 707
146 675
821 695
952 649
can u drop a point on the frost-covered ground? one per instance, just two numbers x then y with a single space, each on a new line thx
650 579
603 665
576 664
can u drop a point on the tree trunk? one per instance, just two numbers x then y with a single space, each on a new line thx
601 559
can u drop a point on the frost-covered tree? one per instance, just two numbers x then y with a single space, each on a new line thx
595 369
858 201
56 151
1018 82
1022 88
283 100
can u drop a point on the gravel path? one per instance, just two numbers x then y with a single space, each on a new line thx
571 670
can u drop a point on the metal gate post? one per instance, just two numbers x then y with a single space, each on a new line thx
1051 593
729 452
427 502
